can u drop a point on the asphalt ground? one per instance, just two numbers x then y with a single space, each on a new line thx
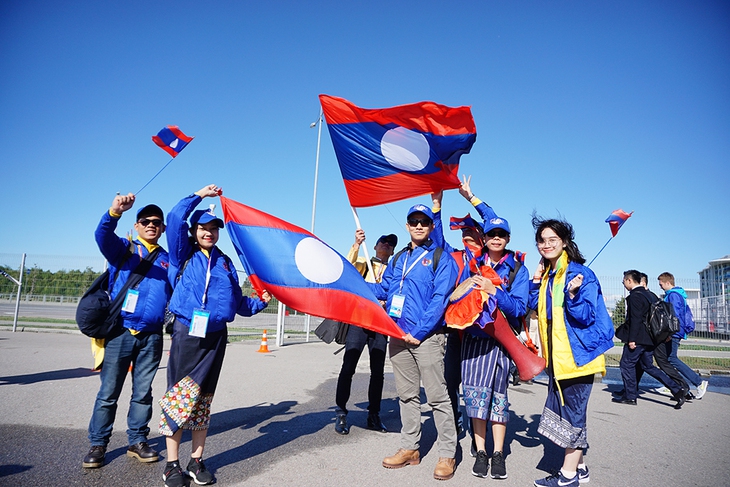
273 417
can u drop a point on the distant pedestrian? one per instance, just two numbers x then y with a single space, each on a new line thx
678 297
575 331
138 341
207 297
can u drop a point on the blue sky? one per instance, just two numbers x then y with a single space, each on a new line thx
581 108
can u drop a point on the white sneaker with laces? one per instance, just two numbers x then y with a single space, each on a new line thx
701 389
665 391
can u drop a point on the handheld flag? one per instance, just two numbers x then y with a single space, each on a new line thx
171 140
456 223
301 271
616 219
391 154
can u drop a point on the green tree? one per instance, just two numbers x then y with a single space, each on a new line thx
619 312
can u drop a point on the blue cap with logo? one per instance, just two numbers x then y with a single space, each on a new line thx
420 208
201 217
495 223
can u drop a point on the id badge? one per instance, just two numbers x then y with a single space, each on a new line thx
396 306
130 301
199 323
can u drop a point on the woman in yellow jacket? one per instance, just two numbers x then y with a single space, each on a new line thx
575 331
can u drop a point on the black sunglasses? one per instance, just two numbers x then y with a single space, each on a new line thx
497 233
413 222
144 222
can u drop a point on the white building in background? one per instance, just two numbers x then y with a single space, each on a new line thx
715 295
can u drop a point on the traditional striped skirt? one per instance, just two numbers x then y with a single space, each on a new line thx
192 376
565 424
484 376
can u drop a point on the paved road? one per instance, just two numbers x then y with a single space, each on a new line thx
272 425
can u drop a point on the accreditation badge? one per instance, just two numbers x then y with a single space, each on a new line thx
396 306
130 301
199 323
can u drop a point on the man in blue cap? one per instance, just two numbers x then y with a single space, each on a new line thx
139 340
416 286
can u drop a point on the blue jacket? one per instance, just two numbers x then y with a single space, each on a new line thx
678 297
224 296
589 326
427 292
154 289
437 235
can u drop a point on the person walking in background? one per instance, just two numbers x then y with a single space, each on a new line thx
639 346
575 331
678 297
138 342
206 298
358 337
416 287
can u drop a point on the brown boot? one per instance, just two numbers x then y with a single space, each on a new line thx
444 468
402 458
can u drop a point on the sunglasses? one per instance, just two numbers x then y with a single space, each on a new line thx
145 222
413 222
497 233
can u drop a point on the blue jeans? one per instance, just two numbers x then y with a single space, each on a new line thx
683 368
144 350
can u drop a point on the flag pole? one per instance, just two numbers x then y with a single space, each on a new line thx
308 319
599 252
153 177
364 247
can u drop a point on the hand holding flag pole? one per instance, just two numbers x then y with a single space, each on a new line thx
172 140
615 220
364 247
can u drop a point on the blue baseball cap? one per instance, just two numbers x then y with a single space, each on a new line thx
496 222
201 217
422 209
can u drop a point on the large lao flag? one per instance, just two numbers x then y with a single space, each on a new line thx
301 271
391 154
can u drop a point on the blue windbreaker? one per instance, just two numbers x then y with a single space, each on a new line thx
224 296
154 289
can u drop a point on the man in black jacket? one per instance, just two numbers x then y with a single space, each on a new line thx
639 347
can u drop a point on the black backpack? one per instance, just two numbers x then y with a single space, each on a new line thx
661 321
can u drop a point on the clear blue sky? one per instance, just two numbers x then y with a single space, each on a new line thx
581 108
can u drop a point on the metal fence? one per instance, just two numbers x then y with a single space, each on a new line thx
52 285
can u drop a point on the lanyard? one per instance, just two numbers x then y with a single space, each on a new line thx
406 271
207 277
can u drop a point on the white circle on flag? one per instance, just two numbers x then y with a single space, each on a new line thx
174 143
405 149
317 262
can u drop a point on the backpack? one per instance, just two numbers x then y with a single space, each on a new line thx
661 322
436 256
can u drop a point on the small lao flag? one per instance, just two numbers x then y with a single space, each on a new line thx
391 154
457 223
616 219
301 271
171 140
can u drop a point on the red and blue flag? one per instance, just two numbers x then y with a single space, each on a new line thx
171 139
301 271
616 219
456 223
391 154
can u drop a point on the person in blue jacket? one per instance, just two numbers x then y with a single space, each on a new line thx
206 298
485 364
678 297
416 286
575 331
139 340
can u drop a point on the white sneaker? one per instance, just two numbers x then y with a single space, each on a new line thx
701 389
665 391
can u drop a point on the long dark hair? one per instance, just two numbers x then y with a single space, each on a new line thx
563 230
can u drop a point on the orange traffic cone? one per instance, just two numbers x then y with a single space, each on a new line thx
264 348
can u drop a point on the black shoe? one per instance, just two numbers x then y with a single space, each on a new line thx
481 465
620 393
516 380
623 400
173 475
341 424
689 396
375 424
95 457
200 475
499 470
680 398
142 452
